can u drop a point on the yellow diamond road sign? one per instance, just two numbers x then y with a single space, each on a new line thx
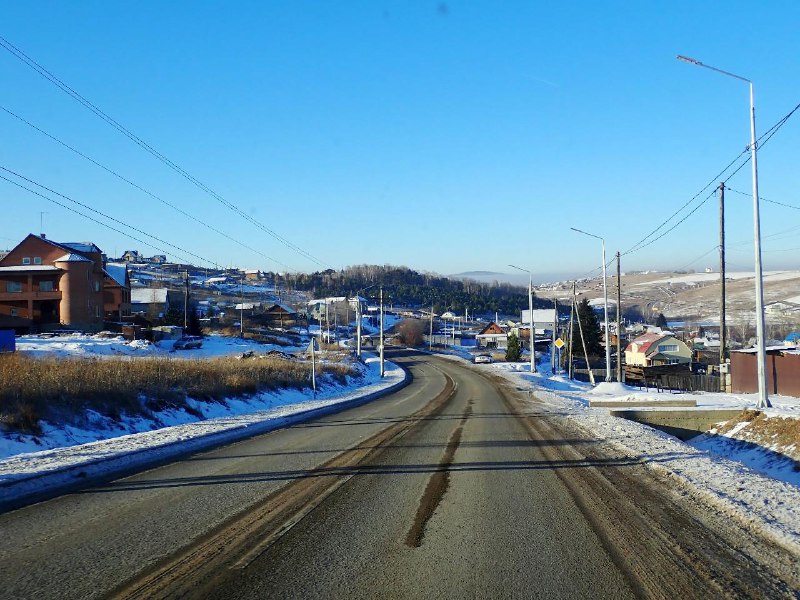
559 343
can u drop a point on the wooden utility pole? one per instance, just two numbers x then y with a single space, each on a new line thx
722 336
430 335
571 322
583 340
619 322
186 302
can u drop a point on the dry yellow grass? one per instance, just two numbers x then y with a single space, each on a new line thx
780 433
35 388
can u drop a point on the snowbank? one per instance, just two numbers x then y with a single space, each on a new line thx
33 473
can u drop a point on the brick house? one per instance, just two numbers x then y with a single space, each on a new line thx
46 284
116 292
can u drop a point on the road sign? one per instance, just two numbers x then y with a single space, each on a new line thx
559 343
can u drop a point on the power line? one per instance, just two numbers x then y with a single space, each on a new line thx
764 199
19 54
702 256
766 136
105 216
138 187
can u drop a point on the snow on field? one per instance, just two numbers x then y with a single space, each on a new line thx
703 277
760 489
98 346
102 446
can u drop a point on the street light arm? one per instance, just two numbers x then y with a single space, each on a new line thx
586 233
693 61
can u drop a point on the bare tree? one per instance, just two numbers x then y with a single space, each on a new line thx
411 332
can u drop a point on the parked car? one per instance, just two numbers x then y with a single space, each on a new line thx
483 358
188 342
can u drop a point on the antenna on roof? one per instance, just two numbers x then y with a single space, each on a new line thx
42 213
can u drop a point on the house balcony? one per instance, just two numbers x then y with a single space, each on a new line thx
25 296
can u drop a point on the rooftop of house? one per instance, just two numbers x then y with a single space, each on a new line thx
644 341
148 295
28 268
80 246
117 272
72 257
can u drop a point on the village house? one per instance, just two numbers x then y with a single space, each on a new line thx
492 336
154 303
651 349
46 285
281 313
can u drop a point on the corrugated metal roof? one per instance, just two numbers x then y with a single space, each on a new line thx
26 268
72 258
117 272
81 246
148 295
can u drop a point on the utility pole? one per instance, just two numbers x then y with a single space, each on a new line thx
42 213
313 368
381 341
722 336
583 340
571 326
553 348
186 302
358 326
430 336
327 323
619 321
241 307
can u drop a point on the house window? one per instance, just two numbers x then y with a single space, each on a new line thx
96 286
13 312
14 286
26 260
37 260
45 286
97 311
668 348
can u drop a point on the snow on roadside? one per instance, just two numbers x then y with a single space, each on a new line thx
751 497
79 345
32 472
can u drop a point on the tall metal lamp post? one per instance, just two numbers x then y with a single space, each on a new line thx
761 349
530 315
605 301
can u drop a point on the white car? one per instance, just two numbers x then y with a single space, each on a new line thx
483 358
188 342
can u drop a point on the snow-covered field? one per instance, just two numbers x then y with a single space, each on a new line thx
100 346
754 486
691 278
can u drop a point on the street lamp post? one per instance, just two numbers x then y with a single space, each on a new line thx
761 351
530 315
381 343
605 302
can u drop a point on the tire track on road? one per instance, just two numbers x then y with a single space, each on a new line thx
237 542
437 485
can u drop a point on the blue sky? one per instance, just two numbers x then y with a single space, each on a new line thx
444 136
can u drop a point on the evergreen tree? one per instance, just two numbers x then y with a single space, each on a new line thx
661 321
513 349
591 331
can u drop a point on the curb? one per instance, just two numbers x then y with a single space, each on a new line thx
42 486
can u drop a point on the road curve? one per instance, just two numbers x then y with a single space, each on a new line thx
456 486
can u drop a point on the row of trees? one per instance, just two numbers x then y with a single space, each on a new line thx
405 286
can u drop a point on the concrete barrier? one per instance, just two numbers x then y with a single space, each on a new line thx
634 403
683 424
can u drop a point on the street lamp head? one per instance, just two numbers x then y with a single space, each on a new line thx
689 60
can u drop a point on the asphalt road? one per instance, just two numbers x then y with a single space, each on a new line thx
454 487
